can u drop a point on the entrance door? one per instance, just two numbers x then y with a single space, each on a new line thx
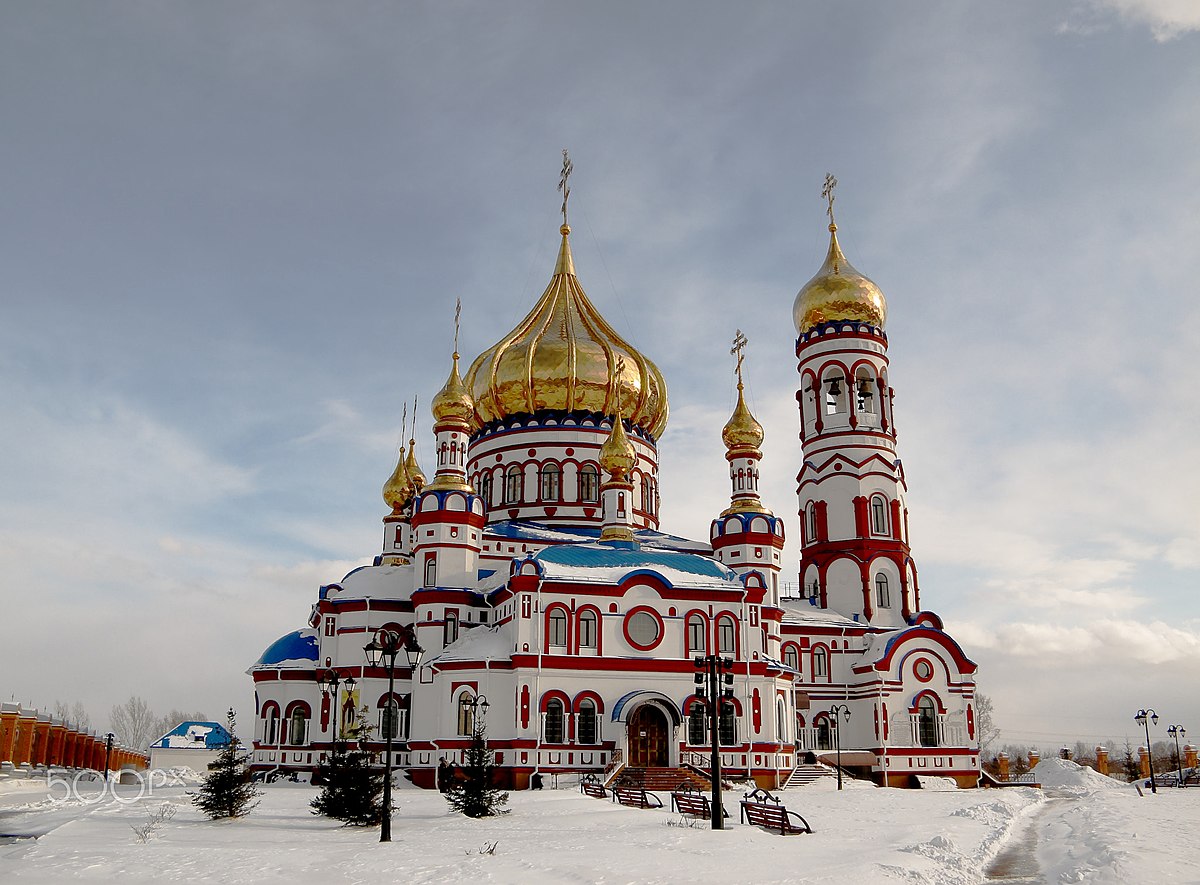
648 731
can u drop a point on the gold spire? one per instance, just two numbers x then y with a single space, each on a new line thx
562 358
838 291
398 488
453 402
743 437
617 455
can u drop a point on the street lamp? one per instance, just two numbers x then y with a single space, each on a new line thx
328 683
714 686
835 711
1144 718
108 742
479 702
1178 731
384 647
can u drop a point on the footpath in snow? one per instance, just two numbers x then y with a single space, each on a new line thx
1086 831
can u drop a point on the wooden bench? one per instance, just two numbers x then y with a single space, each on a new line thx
636 798
591 786
688 801
761 809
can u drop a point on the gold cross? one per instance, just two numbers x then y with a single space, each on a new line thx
403 426
739 344
620 372
412 439
827 193
457 314
567 169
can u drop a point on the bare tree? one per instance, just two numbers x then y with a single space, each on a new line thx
985 725
75 714
133 723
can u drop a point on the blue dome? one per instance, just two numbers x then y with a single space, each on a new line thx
298 649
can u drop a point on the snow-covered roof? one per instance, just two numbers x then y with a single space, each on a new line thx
606 564
801 611
294 651
193 735
524 530
478 644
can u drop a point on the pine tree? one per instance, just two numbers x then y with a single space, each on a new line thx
475 795
1130 765
227 790
351 791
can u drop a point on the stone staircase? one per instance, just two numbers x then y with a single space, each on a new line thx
659 779
807 773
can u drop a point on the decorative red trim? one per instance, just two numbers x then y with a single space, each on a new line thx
662 632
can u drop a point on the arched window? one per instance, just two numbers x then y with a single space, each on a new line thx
298 727
558 628
879 521
927 734
389 720
431 570
791 658
646 504
811 521
780 720
820 662
551 482
824 735
587 629
513 481
883 598
695 635
727 726
466 715
697 725
271 725
553 731
834 394
450 628
485 488
589 484
864 392
726 636
586 727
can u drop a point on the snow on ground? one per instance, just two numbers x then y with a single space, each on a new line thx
1085 832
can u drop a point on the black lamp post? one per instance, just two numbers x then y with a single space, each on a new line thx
479 702
108 742
1178 731
834 712
328 683
1144 718
384 647
714 686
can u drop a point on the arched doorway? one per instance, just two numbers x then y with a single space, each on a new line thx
649 733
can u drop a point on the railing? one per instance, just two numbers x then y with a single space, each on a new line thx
614 767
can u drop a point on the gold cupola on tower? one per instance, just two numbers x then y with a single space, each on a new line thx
838 291
415 475
398 488
617 456
453 403
563 357
742 431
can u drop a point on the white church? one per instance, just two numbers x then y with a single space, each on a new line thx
532 571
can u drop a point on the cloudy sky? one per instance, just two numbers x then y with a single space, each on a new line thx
231 236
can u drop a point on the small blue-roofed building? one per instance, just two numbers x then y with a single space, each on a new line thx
190 744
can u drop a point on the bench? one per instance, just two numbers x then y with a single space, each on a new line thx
635 797
591 786
761 809
691 803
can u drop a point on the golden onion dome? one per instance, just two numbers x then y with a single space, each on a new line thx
563 357
415 475
617 456
453 402
398 488
838 292
742 431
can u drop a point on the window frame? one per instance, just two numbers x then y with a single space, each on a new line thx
554 730
589 484
550 482
514 484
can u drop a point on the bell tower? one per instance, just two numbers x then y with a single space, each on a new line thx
854 525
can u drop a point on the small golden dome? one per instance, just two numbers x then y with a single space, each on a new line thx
742 431
398 488
453 402
563 357
617 455
838 292
415 475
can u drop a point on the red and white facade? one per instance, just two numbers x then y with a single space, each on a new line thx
584 647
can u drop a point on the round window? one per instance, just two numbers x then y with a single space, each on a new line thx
924 670
643 629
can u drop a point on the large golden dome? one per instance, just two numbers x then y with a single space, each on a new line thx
838 292
563 357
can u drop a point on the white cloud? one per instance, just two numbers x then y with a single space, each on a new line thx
1167 19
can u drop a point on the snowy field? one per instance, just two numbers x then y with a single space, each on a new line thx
1081 828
